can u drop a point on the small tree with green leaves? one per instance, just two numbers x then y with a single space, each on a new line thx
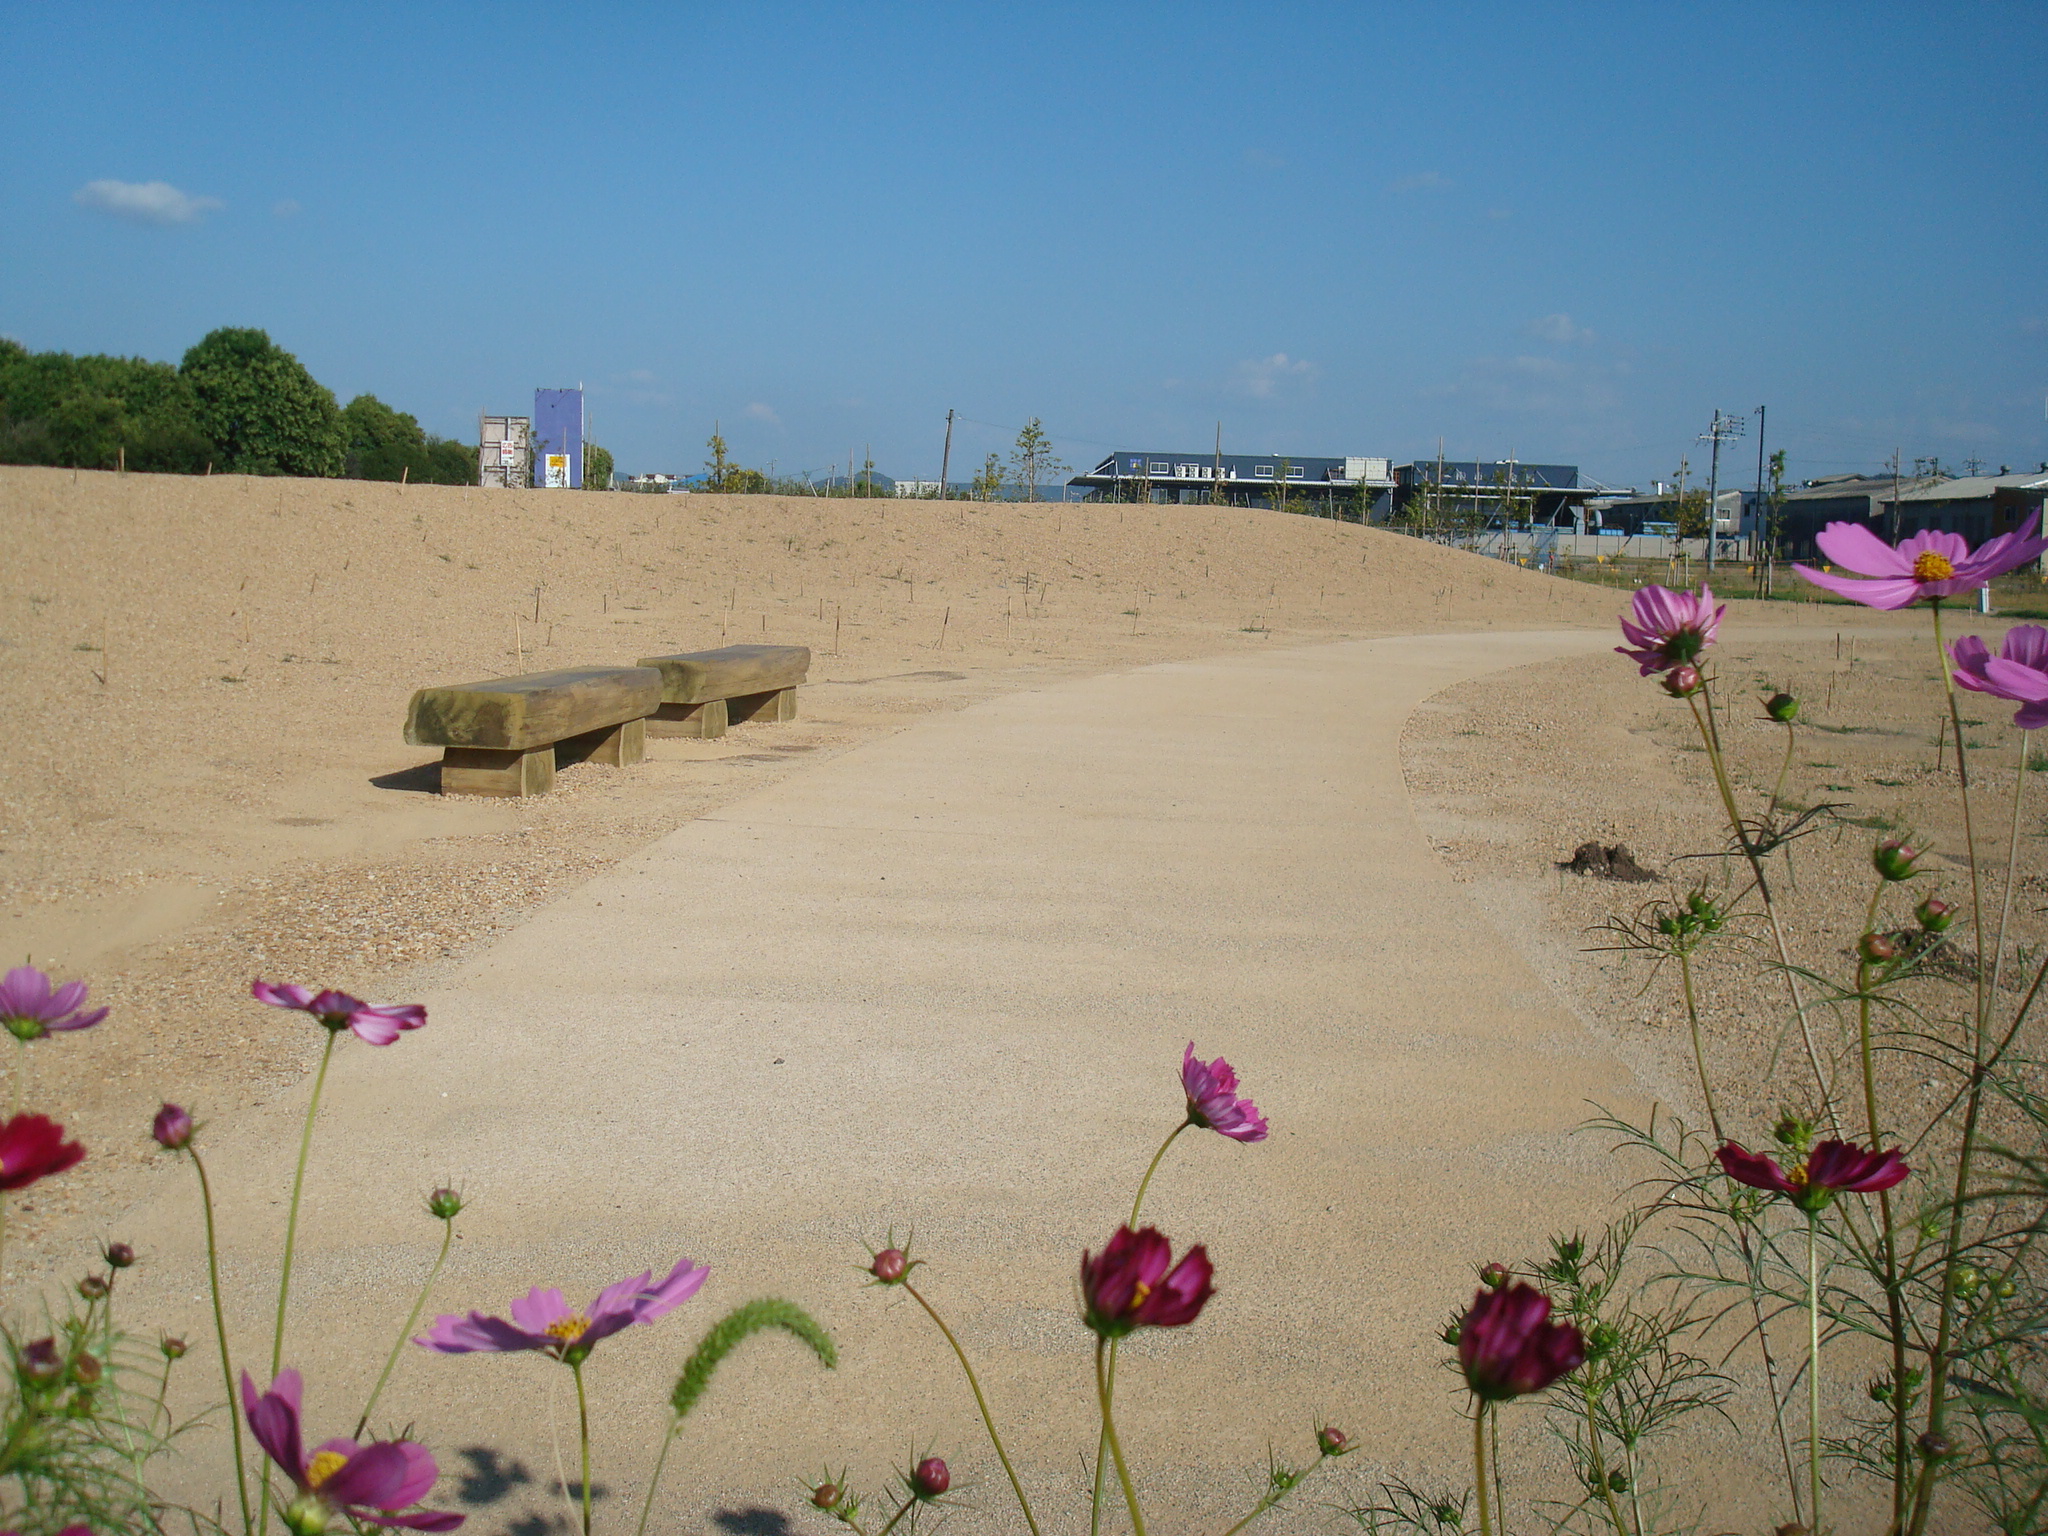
988 481
597 468
1033 462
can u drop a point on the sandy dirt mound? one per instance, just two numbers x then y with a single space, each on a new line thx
206 681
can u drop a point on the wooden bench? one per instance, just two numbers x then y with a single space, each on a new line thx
702 692
507 736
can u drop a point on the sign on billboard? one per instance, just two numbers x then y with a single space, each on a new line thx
558 472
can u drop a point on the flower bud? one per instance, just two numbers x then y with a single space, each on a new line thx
174 1349
445 1204
1494 1276
118 1255
1794 1131
39 1362
890 1266
2004 1288
1968 1281
93 1287
1601 1340
1618 1480
1683 682
930 1478
86 1369
1877 948
1893 860
1934 1447
172 1128
1934 915
1782 707
825 1495
1332 1441
1453 1334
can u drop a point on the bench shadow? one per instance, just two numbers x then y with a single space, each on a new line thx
425 779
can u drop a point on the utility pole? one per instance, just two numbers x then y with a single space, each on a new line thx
1216 494
1761 537
1725 429
1894 533
946 459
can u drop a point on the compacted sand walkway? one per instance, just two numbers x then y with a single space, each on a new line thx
944 982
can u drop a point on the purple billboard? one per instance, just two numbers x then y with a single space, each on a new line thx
558 439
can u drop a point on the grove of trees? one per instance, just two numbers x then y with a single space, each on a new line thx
237 404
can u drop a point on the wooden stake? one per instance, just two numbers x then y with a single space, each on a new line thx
943 623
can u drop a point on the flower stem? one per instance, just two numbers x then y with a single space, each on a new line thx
1813 1366
1479 1466
654 1482
1938 1360
1153 1167
1710 737
1116 1450
1274 1495
583 1434
1598 1457
291 1224
1102 1441
908 1505
987 1419
220 1333
2012 867
412 1317
1699 1054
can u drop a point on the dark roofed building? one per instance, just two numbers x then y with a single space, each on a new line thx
1549 492
1327 486
1978 507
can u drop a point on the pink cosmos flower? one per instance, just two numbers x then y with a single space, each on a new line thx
31 1008
369 1483
33 1147
1832 1168
1930 564
2018 672
1213 1103
1669 629
337 1010
1508 1347
1131 1287
542 1320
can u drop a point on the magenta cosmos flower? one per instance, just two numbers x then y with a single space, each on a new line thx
1131 1286
542 1320
31 1008
1832 1168
369 1483
1508 1346
2018 672
33 1147
1667 629
337 1010
1930 564
1213 1103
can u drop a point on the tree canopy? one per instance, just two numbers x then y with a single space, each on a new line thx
384 444
264 412
97 412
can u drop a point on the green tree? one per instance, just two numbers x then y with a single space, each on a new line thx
597 468
722 474
97 412
383 444
987 485
1033 462
264 412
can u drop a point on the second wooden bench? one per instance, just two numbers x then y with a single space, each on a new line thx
702 692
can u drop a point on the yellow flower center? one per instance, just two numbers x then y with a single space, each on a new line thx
567 1329
1138 1295
324 1466
1932 567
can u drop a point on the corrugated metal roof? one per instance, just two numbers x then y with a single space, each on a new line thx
1975 487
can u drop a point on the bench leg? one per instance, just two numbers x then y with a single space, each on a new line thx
777 704
622 746
481 771
701 720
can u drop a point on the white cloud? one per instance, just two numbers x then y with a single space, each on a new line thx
1419 183
145 202
759 412
1559 328
284 208
1262 377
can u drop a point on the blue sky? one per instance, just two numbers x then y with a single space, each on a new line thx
1563 232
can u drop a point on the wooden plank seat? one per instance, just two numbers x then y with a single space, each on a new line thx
702 692
507 736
